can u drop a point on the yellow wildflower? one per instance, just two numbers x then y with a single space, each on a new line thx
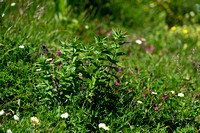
185 31
173 28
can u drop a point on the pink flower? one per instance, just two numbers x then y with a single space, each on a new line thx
156 108
145 95
149 89
164 97
58 53
117 83
61 65
137 68
151 48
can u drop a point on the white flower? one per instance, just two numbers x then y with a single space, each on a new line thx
35 121
13 4
173 92
38 70
181 95
102 125
151 5
1 112
138 41
154 93
65 115
21 46
192 14
16 117
107 128
49 59
143 39
86 27
8 131
3 15
140 102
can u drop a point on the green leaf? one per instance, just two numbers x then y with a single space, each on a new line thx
113 61
87 80
120 53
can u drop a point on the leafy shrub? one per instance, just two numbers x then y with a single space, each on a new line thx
85 72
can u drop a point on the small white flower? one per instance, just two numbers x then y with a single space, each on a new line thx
154 93
173 92
65 115
181 95
21 46
102 125
143 39
8 131
13 4
16 117
192 14
38 70
3 15
1 112
107 128
138 41
86 26
140 102
152 5
49 59
35 121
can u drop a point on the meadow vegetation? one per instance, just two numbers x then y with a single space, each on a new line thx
99 66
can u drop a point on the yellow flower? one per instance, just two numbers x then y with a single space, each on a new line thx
185 31
173 28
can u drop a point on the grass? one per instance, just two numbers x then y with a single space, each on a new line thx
62 57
